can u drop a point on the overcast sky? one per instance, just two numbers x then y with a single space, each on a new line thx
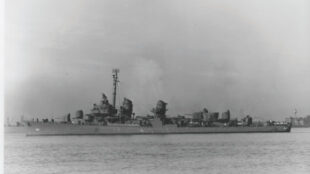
251 57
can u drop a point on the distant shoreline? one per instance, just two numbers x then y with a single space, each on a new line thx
307 126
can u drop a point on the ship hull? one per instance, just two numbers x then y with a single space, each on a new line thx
15 129
70 129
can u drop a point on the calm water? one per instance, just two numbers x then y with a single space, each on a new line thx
210 153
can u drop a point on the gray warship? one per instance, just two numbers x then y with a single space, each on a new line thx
105 119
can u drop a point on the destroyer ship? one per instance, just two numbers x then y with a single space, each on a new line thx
105 119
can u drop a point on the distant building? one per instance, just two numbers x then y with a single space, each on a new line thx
307 120
299 121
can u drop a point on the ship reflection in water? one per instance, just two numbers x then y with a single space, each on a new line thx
267 153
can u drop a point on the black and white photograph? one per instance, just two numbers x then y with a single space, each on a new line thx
155 86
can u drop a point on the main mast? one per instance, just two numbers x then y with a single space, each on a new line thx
115 81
